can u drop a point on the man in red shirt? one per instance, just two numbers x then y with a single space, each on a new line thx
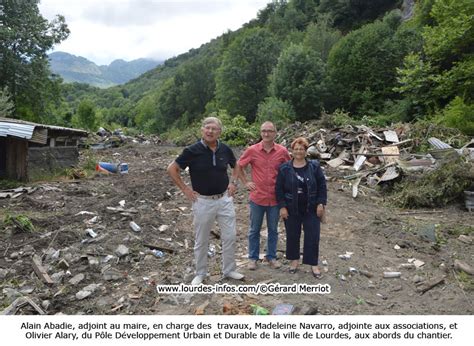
264 157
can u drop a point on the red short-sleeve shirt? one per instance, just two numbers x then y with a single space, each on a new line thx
264 170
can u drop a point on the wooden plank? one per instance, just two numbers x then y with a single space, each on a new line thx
402 142
325 156
359 162
390 174
355 186
16 159
334 163
388 152
40 271
426 286
462 266
158 247
20 302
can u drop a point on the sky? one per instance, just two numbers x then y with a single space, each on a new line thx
105 30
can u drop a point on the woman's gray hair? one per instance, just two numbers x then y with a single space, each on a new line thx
212 120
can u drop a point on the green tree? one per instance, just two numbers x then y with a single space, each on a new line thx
458 114
321 37
272 17
236 130
86 115
362 65
422 13
25 39
6 105
146 113
279 112
452 37
352 14
195 85
241 80
444 69
297 79
169 110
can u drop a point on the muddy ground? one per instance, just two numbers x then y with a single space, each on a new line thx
381 238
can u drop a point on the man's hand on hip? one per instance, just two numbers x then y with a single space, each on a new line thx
231 189
190 194
251 186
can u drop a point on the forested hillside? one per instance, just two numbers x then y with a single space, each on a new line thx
383 61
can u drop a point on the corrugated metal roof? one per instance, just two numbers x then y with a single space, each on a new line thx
25 129
438 144
16 130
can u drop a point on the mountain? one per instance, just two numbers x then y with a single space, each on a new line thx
78 69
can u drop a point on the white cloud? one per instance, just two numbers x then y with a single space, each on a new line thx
105 30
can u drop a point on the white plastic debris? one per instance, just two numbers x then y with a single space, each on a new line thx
163 228
84 213
121 250
93 220
418 263
346 256
135 227
91 233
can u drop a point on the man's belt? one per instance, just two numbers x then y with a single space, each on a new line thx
218 196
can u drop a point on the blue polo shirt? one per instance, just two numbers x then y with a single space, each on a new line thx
208 169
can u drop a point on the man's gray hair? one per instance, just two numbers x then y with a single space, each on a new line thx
212 120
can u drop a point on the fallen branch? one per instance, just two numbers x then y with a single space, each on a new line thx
426 286
462 266
419 212
162 248
18 303
367 172
40 271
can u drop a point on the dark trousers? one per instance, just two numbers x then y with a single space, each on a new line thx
311 226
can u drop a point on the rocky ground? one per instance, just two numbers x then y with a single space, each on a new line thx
115 272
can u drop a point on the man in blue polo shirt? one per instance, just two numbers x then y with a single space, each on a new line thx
211 194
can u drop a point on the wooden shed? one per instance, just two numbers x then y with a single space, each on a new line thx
29 151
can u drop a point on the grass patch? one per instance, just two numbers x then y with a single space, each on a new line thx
7 184
466 230
21 222
466 281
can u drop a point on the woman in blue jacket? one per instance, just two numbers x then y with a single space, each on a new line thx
302 195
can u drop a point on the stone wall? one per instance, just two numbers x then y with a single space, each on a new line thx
44 161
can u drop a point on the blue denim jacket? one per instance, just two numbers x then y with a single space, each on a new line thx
286 187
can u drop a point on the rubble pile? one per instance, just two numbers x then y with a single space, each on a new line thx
104 139
369 157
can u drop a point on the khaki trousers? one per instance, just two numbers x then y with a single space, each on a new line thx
206 212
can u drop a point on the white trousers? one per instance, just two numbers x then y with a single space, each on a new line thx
206 212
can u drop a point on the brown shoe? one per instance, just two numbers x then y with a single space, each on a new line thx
274 264
252 265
